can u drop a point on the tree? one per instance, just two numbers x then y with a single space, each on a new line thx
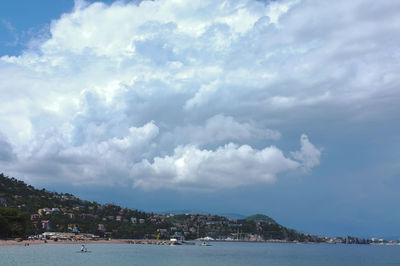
13 223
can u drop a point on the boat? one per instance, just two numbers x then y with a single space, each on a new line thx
205 244
84 249
175 241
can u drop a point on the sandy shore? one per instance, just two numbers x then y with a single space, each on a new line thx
42 242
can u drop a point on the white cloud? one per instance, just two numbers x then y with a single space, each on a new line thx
309 155
227 167
96 161
92 89
221 128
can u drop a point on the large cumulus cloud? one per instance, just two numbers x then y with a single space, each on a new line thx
123 93
227 167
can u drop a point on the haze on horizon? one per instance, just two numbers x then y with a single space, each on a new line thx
288 108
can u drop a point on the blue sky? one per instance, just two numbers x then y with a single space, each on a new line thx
288 108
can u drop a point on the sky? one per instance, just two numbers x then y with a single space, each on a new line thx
288 108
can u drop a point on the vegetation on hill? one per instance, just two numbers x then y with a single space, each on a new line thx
27 210
260 217
13 223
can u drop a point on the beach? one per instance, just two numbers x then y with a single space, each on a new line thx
44 242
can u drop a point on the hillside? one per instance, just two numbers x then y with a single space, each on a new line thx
260 218
41 210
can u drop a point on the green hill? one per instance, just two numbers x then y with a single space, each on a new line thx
260 217
25 210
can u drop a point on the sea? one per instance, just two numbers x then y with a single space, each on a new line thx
220 253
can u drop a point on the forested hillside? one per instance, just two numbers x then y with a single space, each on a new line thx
26 210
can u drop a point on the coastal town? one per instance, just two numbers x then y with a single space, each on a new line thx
59 217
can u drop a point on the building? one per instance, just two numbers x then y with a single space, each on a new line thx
75 229
58 235
46 225
44 211
35 217
101 227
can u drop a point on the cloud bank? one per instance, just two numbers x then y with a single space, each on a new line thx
227 167
169 93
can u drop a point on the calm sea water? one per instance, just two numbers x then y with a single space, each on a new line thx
218 254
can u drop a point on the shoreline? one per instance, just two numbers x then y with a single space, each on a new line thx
13 242
61 242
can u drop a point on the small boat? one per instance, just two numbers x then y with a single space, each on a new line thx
205 244
175 241
84 249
